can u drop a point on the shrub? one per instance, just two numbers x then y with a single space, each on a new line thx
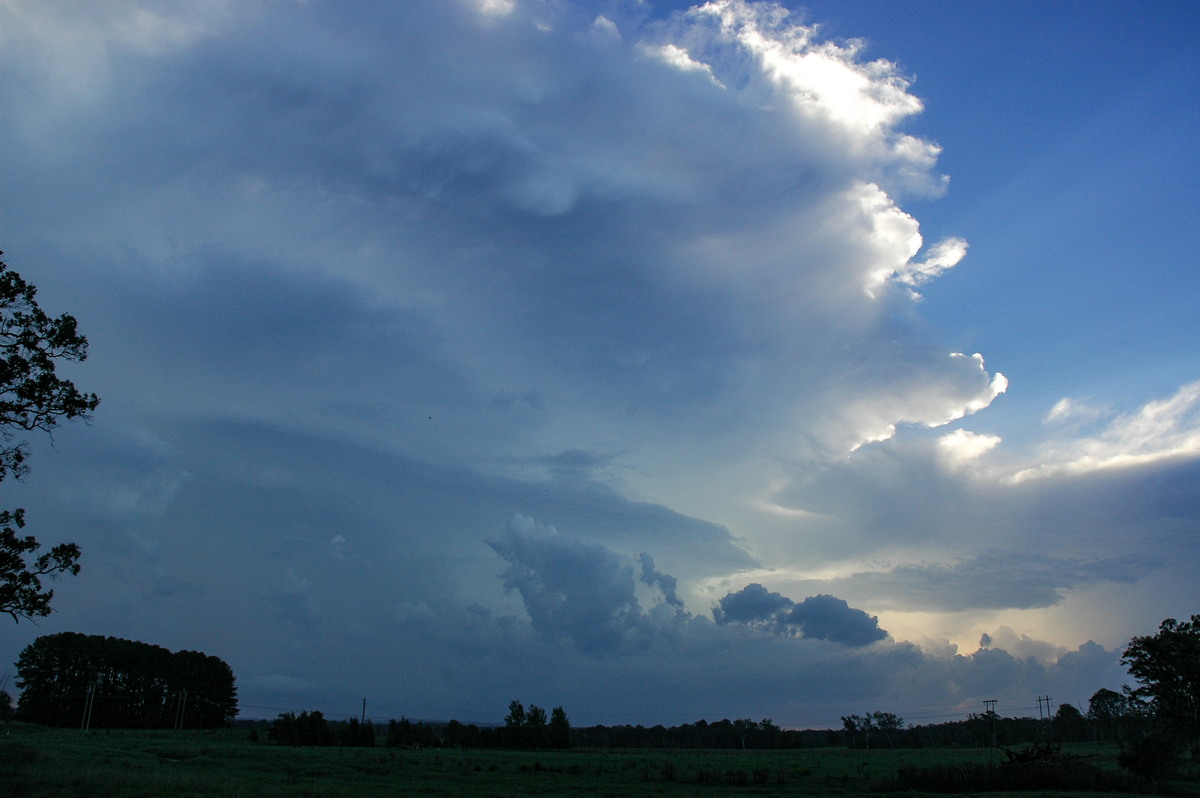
1150 756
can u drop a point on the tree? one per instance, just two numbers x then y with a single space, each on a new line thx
32 397
535 727
1069 724
1168 666
856 724
514 723
1108 711
887 722
560 729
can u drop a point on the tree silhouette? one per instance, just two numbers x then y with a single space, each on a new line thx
32 397
560 729
535 727
1168 666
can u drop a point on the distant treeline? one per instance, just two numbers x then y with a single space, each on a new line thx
1110 716
523 729
70 679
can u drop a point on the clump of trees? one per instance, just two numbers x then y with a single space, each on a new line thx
307 728
32 397
70 679
860 728
530 728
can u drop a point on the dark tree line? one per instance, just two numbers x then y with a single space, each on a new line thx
524 728
70 679
529 728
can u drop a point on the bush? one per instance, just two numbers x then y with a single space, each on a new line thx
989 776
1150 756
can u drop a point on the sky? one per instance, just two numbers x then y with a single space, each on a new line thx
660 362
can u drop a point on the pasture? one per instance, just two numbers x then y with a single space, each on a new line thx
43 762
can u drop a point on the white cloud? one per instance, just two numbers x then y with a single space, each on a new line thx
496 8
606 26
962 446
865 99
1164 429
678 58
941 256
932 397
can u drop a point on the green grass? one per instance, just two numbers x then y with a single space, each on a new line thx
36 761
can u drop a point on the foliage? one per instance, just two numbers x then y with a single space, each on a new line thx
971 777
1168 666
32 397
6 706
1069 724
355 734
406 734
1113 715
309 728
860 727
560 729
1150 756
21 594
122 684
460 735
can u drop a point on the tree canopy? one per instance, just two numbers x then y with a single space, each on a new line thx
32 397
122 684
1167 665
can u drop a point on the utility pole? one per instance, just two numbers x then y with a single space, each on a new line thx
88 702
180 706
364 714
989 709
1047 717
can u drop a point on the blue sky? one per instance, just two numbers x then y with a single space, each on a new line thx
660 362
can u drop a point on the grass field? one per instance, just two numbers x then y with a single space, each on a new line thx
43 763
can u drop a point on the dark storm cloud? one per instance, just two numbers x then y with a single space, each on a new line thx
751 605
821 617
570 587
827 617
664 582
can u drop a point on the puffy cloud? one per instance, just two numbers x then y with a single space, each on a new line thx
819 78
962 446
826 617
751 605
821 617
